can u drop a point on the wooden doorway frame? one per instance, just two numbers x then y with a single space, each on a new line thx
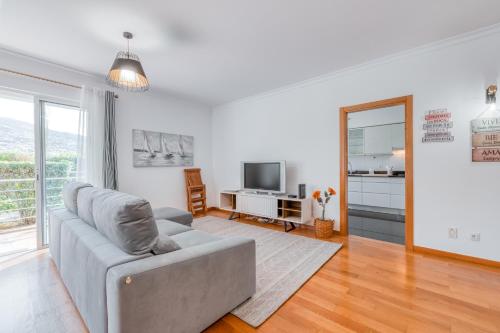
407 101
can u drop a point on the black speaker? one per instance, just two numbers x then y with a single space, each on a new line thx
302 191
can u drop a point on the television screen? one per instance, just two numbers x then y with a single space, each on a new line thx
262 176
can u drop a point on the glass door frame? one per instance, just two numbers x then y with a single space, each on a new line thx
40 153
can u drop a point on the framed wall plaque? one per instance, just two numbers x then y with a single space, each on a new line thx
486 154
485 139
437 126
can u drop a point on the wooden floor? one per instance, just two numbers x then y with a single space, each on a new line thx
17 241
368 286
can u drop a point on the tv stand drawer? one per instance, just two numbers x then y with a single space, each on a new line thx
260 206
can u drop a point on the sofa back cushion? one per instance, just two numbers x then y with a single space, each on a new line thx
86 197
128 222
70 195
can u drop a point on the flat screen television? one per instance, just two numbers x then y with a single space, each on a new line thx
268 176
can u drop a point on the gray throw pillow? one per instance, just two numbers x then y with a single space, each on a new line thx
86 197
165 244
70 195
128 222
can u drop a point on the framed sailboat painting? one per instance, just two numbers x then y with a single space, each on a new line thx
156 149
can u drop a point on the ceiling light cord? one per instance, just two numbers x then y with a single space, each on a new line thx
128 36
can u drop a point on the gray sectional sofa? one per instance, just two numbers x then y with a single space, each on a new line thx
129 269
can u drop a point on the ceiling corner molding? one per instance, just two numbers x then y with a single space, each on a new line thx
419 50
49 63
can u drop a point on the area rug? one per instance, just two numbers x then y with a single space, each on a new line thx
284 263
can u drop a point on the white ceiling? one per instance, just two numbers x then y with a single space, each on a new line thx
221 50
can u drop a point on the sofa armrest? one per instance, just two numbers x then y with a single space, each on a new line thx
181 291
173 214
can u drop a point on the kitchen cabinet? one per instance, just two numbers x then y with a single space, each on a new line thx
397 188
355 198
376 199
354 186
387 192
376 187
397 201
398 136
376 140
356 141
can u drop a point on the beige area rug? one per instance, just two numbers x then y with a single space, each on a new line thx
284 263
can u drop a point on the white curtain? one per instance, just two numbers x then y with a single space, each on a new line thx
91 143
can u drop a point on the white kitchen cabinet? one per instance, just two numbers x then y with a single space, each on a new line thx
356 141
354 186
387 192
376 199
375 179
398 136
355 198
376 187
397 201
378 140
397 188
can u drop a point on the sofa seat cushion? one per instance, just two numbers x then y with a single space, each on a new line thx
194 238
170 228
173 214
70 195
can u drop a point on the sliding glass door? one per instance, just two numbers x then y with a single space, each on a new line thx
59 147
39 140
17 175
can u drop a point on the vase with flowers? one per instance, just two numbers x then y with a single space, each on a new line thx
323 227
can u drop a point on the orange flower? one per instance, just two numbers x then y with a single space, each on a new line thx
331 191
316 195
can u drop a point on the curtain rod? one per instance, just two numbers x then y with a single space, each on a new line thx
42 79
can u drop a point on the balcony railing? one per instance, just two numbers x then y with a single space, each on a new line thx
18 199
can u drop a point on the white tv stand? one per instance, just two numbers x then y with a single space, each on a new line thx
276 207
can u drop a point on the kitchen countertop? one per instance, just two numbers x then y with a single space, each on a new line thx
378 174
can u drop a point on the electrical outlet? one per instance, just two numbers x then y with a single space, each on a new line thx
453 233
475 236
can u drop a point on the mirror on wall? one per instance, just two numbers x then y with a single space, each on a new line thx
376 173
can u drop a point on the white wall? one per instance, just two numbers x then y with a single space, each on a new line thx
161 185
299 124
151 110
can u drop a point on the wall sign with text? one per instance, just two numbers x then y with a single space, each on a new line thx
485 139
437 126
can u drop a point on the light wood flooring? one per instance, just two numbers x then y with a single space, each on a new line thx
368 286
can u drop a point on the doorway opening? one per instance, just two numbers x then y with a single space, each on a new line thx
376 180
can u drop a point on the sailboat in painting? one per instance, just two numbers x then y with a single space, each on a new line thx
165 152
147 147
155 149
182 153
